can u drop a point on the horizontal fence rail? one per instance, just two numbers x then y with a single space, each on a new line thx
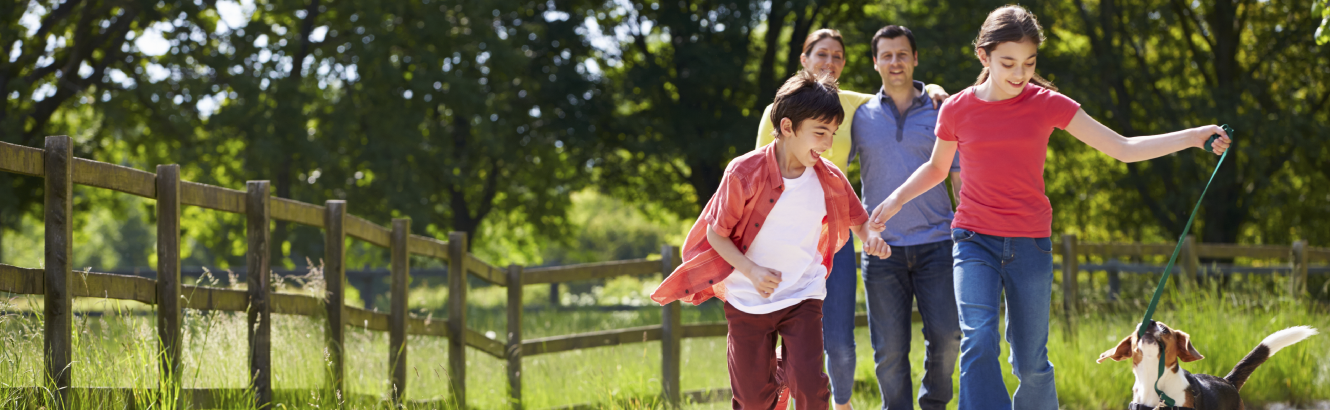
61 170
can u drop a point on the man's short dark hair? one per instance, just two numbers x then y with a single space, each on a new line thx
893 31
805 96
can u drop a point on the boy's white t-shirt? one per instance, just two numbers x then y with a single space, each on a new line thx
787 244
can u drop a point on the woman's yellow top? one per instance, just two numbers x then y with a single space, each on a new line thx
839 153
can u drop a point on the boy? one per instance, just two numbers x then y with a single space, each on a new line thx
777 218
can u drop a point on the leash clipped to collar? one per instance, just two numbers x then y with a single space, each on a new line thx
1138 406
1159 290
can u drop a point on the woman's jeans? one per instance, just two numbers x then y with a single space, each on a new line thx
985 267
838 322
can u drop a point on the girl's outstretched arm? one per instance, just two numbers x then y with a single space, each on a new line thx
1088 130
927 176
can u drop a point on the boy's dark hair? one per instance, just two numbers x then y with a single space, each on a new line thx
893 31
805 96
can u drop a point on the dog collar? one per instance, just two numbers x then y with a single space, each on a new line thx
1138 406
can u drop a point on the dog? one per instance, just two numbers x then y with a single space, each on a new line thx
1189 390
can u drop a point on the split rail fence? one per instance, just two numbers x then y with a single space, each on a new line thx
61 171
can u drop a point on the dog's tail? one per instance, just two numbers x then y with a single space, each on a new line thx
1267 348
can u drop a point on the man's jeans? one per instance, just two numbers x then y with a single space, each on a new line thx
987 266
923 273
838 322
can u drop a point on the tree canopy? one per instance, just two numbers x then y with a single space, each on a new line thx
487 116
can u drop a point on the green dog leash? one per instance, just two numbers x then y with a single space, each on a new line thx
1159 290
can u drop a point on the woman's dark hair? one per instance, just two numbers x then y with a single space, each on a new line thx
1010 23
820 35
805 96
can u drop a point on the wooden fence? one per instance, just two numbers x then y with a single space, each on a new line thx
57 283
61 171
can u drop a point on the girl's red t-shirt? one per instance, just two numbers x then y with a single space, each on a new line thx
1002 146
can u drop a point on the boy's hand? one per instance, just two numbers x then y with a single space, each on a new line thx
877 247
765 280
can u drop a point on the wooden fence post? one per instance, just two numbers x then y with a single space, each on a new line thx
334 276
1298 284
514 348
457 256
1192 261
257 258
401 264
1070 269
58 159
671 346
168 280
1114 280
368 297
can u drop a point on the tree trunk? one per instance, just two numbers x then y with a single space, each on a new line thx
1223 213
279 232
803 23
766 78
462 221
294 126
705 178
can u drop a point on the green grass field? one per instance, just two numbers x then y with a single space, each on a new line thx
117 350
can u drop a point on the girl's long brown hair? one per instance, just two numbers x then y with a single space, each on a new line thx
1010 23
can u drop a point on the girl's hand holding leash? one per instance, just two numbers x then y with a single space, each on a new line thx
1201 135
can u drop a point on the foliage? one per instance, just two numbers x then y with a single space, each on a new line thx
1322 35
488 117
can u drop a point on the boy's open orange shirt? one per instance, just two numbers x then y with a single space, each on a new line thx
749 189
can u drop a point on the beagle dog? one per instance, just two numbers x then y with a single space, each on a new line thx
1188 390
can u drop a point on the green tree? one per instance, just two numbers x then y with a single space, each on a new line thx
1165 65
62 65
1319 9
453 113
1140 66
691 79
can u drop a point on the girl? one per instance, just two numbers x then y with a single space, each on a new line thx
1001 126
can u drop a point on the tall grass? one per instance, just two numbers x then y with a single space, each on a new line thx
118 349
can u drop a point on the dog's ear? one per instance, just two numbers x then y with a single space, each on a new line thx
1186 352
1122 351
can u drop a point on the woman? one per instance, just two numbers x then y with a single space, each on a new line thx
824 54
1001 126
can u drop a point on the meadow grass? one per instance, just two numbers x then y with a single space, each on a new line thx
118 349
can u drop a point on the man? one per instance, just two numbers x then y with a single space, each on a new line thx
892 136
